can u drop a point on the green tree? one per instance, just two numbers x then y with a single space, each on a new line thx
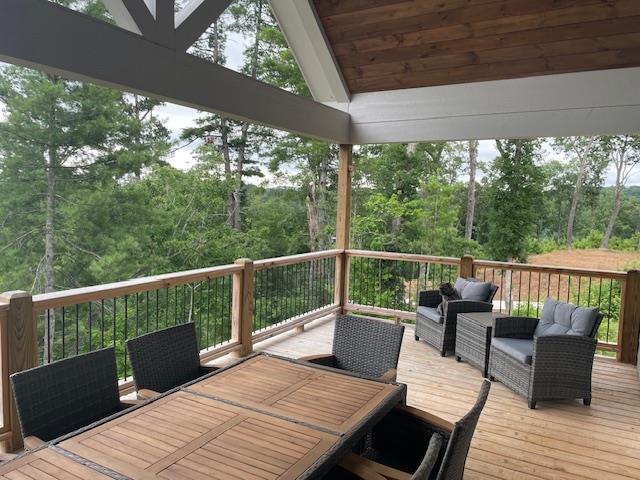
516 190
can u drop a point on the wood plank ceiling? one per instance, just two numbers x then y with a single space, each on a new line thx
393 44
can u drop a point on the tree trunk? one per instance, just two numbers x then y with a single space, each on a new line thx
244 135
49 250
312 218
471 191
614 216
321 205
228 176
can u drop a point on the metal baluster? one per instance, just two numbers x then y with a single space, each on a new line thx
64 350
126 333
90 330
102 323
579 288
589 293
529 295
77 328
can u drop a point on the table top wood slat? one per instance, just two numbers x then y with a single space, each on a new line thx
331 400
47 464
165 440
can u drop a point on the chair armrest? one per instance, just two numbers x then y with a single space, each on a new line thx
429 298
31 442
388 376
369 470
130 402
515 327
326 359
454 307
433 420
563 352
146 394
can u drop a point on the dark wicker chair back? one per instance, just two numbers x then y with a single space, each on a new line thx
596 325
430 458
455 456
165 359
492 293
56 399
366 346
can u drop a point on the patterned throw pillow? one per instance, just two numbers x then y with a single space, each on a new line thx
448 293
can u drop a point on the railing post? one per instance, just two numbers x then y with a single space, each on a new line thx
20 342
629 327
341 291
242 307
343 223
466 266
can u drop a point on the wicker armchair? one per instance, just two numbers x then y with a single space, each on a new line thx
546 359
440 330
400 440
165 359
58 398
364 346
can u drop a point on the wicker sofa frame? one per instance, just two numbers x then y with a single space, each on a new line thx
443 335
560 368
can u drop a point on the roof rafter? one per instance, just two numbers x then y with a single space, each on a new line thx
44 35
194 19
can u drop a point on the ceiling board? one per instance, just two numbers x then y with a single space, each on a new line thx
387 45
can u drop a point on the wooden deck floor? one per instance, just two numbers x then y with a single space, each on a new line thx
558 440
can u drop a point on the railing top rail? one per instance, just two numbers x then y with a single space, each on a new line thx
406 257
578 272
294 259
111 290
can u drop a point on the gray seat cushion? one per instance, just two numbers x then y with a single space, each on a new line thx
430 313
521 350
473 289
559 318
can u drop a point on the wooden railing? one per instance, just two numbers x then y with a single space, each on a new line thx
233 306
387 284
237 305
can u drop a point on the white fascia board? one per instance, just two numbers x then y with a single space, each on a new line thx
54 39
585 103
301 27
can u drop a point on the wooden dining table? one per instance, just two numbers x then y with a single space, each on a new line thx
264 417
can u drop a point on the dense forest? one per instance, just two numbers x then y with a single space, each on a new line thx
89 197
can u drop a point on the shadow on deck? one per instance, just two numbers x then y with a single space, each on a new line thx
558 440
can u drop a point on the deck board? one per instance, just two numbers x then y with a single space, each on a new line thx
558 440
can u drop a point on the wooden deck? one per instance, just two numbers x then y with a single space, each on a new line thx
558 440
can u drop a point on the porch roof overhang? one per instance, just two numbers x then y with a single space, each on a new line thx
146 54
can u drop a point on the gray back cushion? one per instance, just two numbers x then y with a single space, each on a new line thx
473 289
559 318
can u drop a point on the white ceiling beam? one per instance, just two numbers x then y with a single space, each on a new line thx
301 27
585 103
54 39
194 19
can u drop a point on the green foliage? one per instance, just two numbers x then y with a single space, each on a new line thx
514 194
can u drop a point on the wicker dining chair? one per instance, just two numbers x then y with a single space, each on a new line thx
165 359
401 438
364 346
63 396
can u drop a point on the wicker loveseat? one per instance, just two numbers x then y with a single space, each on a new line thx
440 330
546 359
